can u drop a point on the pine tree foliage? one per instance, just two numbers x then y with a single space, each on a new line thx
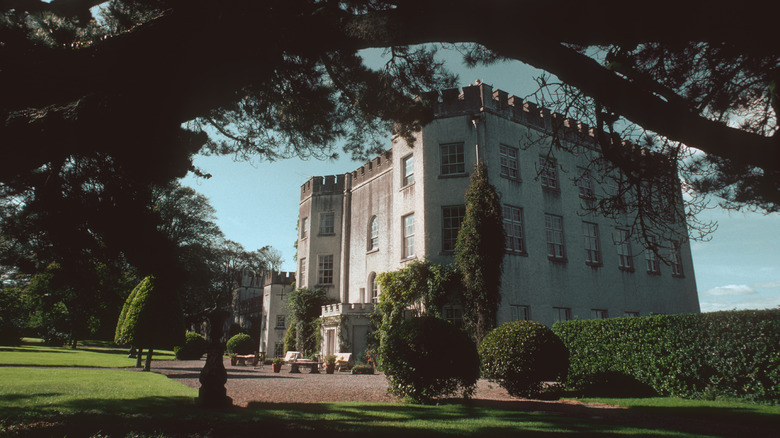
479 254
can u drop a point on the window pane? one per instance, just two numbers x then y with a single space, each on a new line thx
548 173
452 217
325 275
452 159
513 228
408 168
509 166
408 246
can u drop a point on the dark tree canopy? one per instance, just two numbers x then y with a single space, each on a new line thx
134 96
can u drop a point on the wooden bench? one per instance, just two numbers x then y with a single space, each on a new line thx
314 366
242 359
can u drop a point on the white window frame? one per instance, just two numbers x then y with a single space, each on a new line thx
452 159
590 232
675 259
325 268
302 270
652 262
373 234
520 312
548 173
373 286
280 322
623 244
451 218
305 228
599 313
556 247
585 185
326 228
510 167
561 314
513 229
407 224
407 167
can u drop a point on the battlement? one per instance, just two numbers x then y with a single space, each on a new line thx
322 185
481 97
273 277
372 168
347 309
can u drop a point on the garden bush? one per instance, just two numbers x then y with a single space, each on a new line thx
732 354
522 355
193 349
241 344
426 358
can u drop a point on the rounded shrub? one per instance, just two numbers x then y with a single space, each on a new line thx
521 355
241 344
426 358
193 349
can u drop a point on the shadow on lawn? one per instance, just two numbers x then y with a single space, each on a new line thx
180 416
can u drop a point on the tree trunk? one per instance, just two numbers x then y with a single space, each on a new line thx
139 357
149 354
213 376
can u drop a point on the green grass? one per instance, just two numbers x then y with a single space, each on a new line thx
101 357
116 402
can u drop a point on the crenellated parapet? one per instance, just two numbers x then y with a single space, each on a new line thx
322 185
481 97
283 278
372 168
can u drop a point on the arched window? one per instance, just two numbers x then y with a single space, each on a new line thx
373 286
373 234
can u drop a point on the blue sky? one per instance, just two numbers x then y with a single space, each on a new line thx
257 205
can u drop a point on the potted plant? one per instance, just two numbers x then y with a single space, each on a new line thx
330 363
277 364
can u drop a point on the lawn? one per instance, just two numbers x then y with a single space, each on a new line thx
123 402
84 356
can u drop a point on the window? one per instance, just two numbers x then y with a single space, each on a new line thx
549 173
304 228
407 165
520 313
325 273
652 261
452 159
561 314
302 270
279 321
509 167
279 349
373 234
327 222
676 260
590 232
374 287
554 227
452 217
513 228
408 242
623 242
631 314
599 313
454 315
585 185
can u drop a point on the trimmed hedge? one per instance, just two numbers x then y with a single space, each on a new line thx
522 355
426 358
241 344
734 353
193 349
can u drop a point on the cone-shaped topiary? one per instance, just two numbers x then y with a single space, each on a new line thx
521 355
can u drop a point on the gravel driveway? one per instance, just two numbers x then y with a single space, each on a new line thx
260 384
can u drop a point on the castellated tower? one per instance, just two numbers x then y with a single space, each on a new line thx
561 262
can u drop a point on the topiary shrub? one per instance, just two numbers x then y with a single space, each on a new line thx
426 358
521 355
193 349
241 344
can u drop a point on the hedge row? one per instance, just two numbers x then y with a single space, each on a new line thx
734 353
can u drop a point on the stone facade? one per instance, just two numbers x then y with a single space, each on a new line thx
262 299
406 204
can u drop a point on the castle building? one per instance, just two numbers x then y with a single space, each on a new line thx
561 261
260 307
